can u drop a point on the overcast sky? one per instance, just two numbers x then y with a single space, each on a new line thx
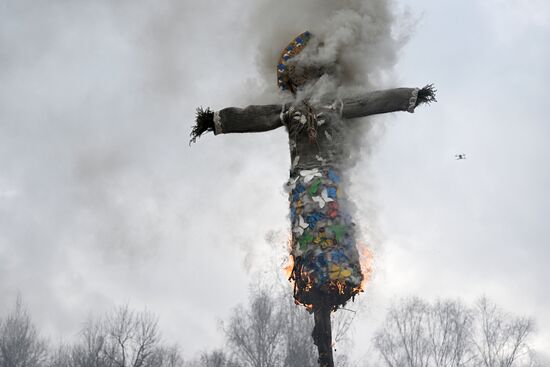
103 202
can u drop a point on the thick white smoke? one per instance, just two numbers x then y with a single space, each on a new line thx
358 36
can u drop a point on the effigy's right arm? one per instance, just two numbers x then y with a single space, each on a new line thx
257 118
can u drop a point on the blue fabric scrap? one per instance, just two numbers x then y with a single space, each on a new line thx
338 256
321 260
333 176
297 191
314 218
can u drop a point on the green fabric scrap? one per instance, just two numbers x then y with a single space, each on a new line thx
339 230
314 186
305 240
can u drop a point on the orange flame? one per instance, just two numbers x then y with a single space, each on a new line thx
288 267
366 259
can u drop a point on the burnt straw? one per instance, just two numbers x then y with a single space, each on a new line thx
426 95
204 122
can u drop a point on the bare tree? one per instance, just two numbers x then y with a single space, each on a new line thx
61 357
20 345
166 357
403 339
499 338
255 334
216 358
449 323
298 345
130 337
449 334
90 351
123 338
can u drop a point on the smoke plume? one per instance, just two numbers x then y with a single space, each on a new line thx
361 39
358 36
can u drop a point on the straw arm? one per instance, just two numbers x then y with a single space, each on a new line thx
237 120
389 100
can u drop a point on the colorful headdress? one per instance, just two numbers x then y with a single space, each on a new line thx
293 49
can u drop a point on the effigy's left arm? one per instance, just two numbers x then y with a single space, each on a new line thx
390 100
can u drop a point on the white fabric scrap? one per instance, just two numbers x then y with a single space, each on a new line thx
309 174
299 229
322 199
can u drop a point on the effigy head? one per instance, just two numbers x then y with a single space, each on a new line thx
294 70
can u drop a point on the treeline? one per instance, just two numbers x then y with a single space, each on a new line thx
270 331
448 333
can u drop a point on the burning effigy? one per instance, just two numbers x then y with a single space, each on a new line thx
326 267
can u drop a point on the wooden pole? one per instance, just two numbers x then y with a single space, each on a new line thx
322 335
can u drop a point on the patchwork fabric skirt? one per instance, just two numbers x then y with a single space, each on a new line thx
326 261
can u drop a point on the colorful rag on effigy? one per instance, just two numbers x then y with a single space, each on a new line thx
326 260
294 48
